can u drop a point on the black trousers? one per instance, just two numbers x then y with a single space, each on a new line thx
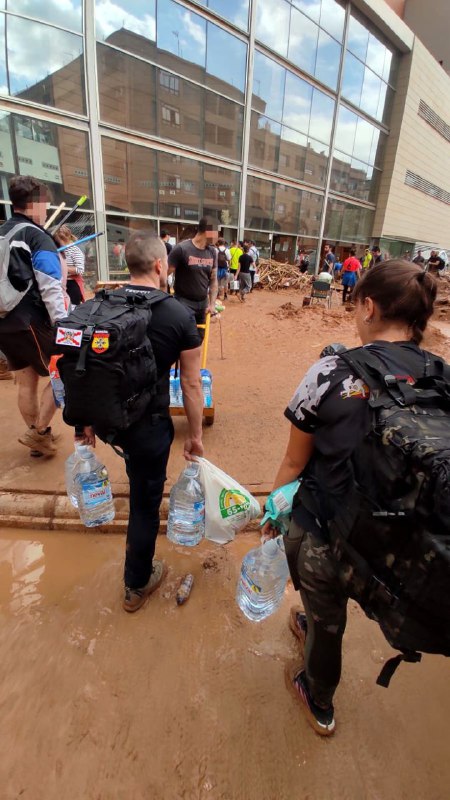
347 290
146 445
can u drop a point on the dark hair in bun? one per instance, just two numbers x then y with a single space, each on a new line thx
402 291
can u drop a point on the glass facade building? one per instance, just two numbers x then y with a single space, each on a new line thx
271 115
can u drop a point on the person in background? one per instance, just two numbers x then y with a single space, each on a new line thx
243 275
377 258
164 235
254 252
367 259
75 264
419 259
303 262
328 417
330 259
194 263
26 333
351 270
435 264
337 270
235 251
223 266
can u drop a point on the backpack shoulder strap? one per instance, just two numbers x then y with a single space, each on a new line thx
9 235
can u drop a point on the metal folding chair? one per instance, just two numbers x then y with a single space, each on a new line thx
321 290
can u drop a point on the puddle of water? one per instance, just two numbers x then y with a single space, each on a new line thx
40 569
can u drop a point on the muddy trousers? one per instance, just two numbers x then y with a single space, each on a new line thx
314 574
146 445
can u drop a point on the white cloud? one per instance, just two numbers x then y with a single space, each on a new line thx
66 13
110 17
195 32
51 49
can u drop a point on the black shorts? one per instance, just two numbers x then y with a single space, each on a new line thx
29 348
198 308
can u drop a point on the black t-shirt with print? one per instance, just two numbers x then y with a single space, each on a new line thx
331 403
172 330
193 270
245 261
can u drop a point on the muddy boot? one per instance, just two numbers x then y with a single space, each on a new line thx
42 443
5 374
135 598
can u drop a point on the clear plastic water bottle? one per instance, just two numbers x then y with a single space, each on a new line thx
176 395
70 470
262 581
93 491
57 384
207 387
186 522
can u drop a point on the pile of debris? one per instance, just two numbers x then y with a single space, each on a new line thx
274 275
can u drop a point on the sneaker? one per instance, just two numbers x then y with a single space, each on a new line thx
298 625
39 442
321 719
135 598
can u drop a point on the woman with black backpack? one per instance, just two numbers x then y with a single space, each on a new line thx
331 421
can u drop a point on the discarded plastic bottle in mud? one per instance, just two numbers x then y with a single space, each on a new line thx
184 589
263 579
93 490
186 522
70 470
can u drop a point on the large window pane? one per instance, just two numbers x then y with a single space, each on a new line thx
322 112
179 182
332 17
118 231
226 57
358 38
376 53
287 209
362 148
223 126
67 14
129 176
3 80
264 143
293 151
234 10
347 222
346 130
309 7
221 194
129 24
316 162
370 96
49 70
55 154
310 214
268 87
259 204
303 41
328 60
297 103
127 90
180 116
272 24
353 79
182 33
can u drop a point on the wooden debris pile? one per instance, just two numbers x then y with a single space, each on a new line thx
273 275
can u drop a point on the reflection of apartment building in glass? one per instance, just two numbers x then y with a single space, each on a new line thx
292 121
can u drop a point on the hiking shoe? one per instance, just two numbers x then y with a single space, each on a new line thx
39 442
37 453
320 719
298 625
135 598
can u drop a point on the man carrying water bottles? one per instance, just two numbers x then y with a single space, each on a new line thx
146 443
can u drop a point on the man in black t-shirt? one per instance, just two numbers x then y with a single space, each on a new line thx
165 238
146 444
435 264
195 265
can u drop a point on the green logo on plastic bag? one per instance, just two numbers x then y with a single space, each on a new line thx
232 502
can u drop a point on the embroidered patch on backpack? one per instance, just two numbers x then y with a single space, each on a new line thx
100 341
69 336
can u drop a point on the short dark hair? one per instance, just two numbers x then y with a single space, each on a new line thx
353 251
142 250
24 189
220 242
402 291
163 234
207 223
376 249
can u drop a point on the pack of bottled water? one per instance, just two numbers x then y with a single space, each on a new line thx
262 580
89 488
186 521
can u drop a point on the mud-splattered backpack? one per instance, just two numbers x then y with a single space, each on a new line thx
392 534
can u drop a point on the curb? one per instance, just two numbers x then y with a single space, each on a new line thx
54 512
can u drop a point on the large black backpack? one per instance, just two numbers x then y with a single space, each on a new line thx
108 366
392 534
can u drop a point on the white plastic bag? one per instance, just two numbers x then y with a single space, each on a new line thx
228 506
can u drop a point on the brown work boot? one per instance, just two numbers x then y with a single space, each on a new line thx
37 453
135 598
39 442
5 374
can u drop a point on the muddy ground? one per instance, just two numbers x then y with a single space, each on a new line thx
190 703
